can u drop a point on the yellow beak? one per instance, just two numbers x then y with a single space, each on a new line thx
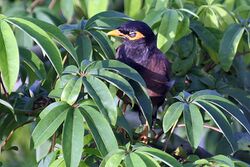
115 33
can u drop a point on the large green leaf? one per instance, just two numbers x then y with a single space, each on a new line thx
71 91
72 143
167 30
104 43
194 124
67 8
35 64
172 115
143 101
96 6
84 48
229 45
107 15
49 124
229 107
134 160
119 67
220 120
113 159
160 155
60 105
7 105
56 34
132 7
41 37
9 64
116 80
148 160
100 129
153 17
102 97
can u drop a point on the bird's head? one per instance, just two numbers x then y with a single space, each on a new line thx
135 31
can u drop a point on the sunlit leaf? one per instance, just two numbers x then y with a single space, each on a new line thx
9 64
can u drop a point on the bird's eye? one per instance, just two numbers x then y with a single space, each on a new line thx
132 34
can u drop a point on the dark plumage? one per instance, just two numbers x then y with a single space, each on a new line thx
143 55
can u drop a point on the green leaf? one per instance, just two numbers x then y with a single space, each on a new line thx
160 155
123 123
147 159
84 47
205 36
96 6
56 34
172 115
60 105
100 129
194 124
134 160
104 43
102 97
113 159
229 107
108 15
220 120
71 91
33 62
132 7
153 17
67 8
72 143
42 39
167 30
119 67
9 64
58 163
229 45
48 125
143 101
117 81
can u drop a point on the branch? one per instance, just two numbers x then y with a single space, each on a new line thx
205 126
52 4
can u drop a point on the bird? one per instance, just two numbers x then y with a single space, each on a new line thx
139 51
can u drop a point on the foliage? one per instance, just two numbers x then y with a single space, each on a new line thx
59 76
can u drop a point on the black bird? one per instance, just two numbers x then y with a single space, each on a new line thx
140 52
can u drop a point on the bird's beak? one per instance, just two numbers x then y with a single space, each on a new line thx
115 33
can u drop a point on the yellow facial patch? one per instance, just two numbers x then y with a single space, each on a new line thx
135 35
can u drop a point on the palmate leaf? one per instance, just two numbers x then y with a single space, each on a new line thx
100 130
230 108
49 123
219 119
72 142
102 97
9 64
41 37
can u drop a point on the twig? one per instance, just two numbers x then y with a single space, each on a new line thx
53 143
52 4
205 126
12 132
